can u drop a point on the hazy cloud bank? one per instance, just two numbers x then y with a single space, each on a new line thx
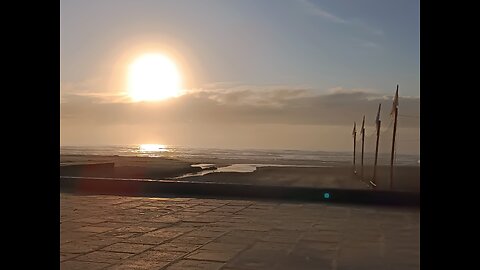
242 105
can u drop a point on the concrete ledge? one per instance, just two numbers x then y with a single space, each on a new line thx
154 188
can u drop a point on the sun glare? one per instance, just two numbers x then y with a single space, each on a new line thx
153 77
153 148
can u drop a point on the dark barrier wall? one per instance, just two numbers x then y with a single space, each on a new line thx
138 187
97 169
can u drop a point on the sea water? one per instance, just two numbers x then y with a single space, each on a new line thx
256 156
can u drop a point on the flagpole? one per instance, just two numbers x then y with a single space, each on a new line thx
395 104
363 142
354 146
376 146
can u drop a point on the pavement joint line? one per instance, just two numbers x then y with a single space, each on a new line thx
169 241
188 253
75 260
75 256
106 251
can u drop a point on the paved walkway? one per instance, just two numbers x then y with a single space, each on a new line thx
112 232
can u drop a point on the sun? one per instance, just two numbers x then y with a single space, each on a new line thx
153 77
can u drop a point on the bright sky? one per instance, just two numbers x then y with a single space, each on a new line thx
329 47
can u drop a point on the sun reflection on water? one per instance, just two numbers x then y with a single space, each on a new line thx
153 148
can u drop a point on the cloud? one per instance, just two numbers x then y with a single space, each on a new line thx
289 106
100 97
320 12
93 89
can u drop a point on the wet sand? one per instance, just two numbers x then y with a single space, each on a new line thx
132 167
406 178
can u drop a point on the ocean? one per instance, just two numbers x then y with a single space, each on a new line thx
255 155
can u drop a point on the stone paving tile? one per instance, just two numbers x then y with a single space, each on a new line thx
182 247
94 229
98 240
240 237
69 236
323 236
221 252
115 232
180 228
215 204
159 256
121 235
164 234
192 239
216 228
67 256
200 219
319 246
200 209
269 246
224 246
195 265
139 264
145 239
134 229
126 219
261 255
156 225
361 259
165 219
282 236
149 207
229 224
128 247
229 209
103 256
192 225
90 220
256 259
241 203
79 265
204 233
212 255
306 257
71 225
75 247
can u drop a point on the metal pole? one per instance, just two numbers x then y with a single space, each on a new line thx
395 104
354 146
393 148
363 142
376 147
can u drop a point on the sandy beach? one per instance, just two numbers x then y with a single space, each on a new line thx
339 175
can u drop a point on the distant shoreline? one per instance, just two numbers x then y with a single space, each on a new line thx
285 173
